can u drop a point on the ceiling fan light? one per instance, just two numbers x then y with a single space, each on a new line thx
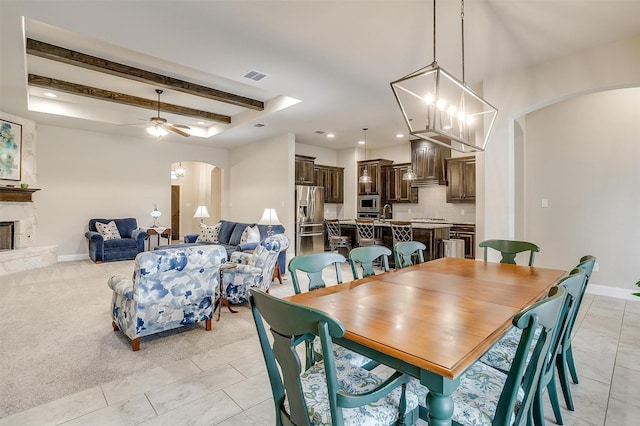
157 131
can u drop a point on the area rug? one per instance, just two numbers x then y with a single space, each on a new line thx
56 336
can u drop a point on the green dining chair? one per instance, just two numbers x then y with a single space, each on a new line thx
501 355
365 256
325 393
574 285
405 251
487 395
313 265
564 359
509 249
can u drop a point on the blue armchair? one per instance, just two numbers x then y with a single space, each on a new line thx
169 289
130 243
253 270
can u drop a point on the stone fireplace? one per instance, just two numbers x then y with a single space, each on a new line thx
17 225
18 251
6 235
18 213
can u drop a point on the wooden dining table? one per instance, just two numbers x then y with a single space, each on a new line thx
432 320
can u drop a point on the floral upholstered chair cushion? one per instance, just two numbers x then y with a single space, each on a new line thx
254 270
351 380
169 288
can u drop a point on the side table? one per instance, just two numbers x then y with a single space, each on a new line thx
223 293
160 232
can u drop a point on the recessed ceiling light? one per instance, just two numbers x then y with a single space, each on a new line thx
201 123
331 135
50 95
399 135
361 142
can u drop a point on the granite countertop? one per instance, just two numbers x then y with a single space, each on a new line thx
423 225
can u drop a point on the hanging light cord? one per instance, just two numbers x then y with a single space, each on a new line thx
462 25
365 143
434 30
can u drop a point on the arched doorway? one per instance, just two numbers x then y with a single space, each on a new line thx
200 184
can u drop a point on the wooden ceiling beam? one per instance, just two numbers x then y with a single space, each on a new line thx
71 57
121 98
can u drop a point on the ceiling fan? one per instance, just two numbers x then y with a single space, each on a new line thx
159 127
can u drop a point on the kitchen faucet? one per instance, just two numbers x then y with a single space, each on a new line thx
384 211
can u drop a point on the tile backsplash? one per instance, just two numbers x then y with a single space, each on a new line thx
433 203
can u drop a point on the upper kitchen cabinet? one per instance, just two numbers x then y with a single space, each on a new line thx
374 168
332 178
462 179
428 160
396 189
304 170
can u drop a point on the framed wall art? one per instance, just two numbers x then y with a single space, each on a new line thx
10 150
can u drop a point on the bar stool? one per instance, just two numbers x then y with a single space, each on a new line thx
335 237
401 231
366 233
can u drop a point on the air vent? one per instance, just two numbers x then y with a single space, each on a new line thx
258 125
255 75
319 132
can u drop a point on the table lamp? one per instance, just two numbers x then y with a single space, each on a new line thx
269 218
155 214
201 212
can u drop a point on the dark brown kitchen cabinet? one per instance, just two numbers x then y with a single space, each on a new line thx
396 189
374 168
304 170
461 178
428 160
332 179
468 234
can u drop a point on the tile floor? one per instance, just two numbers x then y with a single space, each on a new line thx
228 385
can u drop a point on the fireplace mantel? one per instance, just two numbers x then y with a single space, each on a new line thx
16 194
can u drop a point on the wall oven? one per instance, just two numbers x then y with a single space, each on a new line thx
369 203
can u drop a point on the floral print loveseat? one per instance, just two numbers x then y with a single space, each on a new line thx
169 288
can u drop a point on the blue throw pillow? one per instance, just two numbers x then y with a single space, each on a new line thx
226 228
236 235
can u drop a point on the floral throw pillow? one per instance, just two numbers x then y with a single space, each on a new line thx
208 234
109 230
250 235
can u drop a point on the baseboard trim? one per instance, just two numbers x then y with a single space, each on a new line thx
72 257
617 292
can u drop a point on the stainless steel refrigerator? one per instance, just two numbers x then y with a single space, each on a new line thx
309 219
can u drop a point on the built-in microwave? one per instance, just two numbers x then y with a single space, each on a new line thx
368 203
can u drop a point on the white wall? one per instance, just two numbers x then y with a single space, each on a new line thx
583 156
261 176
324 156
515 94
86 175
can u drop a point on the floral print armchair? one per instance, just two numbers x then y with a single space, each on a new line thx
254 270
169 288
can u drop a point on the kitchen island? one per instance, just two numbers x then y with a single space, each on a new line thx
430 234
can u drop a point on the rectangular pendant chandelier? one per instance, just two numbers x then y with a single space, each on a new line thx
435 103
